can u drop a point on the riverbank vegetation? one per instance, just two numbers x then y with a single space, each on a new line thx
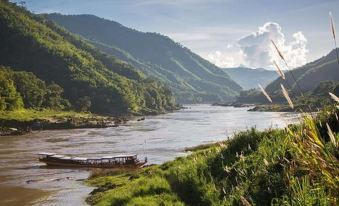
307 85
297 165
27 103
21 89
312 100
46 114
22 121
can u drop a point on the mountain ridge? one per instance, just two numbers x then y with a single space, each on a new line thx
192 78
315 80
30 43
325 68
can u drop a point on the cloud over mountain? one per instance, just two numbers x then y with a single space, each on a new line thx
220 59
259 52
256 50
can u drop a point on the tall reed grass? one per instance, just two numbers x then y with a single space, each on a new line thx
287 97
279 71
313 152
288 68
334 36
265 93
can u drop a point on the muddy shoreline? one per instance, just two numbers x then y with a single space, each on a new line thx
23 195
13 127
16 127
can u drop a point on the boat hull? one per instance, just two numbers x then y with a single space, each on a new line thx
86 165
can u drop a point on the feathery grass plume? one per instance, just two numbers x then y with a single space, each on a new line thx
331 135
334 36
266 162
279 52
332 26
290 71
287 97
244 201
334 97
224 191
279 71
265 93
221 144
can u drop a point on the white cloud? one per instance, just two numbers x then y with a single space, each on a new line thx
256 50
221 59
229 56
259 52
229 46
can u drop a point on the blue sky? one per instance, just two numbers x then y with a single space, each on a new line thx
226 32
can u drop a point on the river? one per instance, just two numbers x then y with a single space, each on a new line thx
25 181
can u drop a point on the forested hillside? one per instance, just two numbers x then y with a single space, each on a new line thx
310 75
86 75
192 78
315 80
24 90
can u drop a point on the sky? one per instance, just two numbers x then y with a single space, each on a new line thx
229 33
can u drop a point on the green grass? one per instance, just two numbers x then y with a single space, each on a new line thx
293 166
202 146
134 188
30 114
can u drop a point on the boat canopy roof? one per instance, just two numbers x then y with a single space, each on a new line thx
47 153
79 158
120 156
58 156
65 158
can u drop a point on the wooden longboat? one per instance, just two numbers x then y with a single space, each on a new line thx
119 161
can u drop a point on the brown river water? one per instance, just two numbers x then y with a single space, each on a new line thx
25 181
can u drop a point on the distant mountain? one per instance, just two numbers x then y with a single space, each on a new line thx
192 78
249 78
310 75
84 74
315 79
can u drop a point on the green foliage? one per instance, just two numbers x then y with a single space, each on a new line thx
324 87
291 166
10 99
32 44
148 189
24 115
53 99
312 100
303 193
31 89
24 89
83 104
